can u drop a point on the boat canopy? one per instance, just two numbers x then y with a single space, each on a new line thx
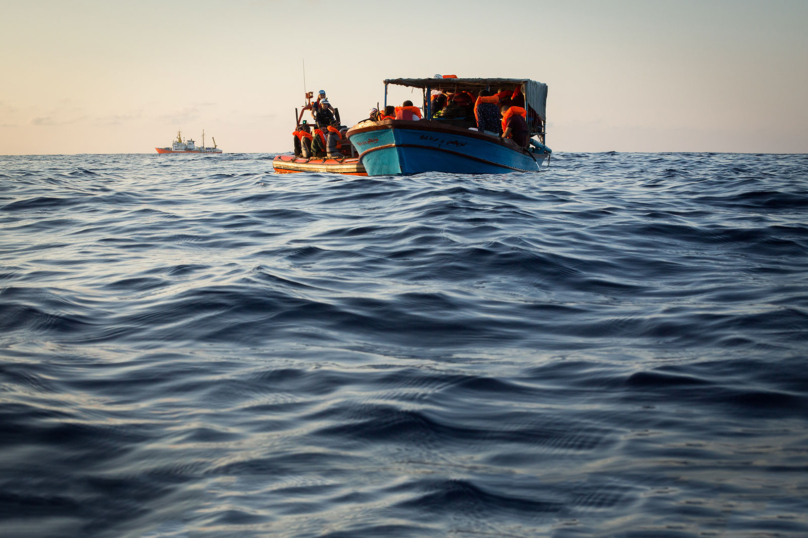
535 92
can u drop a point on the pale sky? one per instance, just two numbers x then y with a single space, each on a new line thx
109 76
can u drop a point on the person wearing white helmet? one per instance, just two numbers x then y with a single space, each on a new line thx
322 110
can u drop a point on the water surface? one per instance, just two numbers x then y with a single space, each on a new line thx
193 346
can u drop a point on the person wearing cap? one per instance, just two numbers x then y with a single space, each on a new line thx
322 110
373 115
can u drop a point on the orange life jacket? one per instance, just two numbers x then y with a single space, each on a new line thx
296 134
339 135
502 95
304 134
388 118
484 99
449 76
319 133
511 111
414 110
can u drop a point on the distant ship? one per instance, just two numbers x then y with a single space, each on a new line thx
188 146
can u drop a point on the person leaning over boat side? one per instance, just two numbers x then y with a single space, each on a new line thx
374 114
486 112
408 112
514 125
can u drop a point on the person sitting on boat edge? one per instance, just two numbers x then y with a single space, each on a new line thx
408 112
389 113
304 134
374 115
486 112
297 146
318 144
334 142
514 125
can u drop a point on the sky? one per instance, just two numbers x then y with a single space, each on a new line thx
110 76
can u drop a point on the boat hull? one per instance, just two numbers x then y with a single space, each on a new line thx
288 164
396 147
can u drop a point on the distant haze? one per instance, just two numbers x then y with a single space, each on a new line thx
648 76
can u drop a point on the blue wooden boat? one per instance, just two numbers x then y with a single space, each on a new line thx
452 145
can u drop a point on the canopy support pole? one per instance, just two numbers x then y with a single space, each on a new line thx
385 96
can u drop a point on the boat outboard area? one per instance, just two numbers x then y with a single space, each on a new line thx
320 146
465 125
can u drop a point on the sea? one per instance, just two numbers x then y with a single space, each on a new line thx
195 346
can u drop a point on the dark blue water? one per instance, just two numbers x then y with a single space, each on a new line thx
193 346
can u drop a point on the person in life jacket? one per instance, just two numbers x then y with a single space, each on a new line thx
517 99
389 113
439 101
318 144
304 135
374 115
514 125
334 142
486 112
296 135
408 112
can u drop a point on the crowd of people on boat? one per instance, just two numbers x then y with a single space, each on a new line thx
502 113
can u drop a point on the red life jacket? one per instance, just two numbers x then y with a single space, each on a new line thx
511 111
407 112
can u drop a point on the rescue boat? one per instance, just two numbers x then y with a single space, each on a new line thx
289 164
452 145
188 146
347 165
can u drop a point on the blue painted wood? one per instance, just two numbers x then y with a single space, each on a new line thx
394 150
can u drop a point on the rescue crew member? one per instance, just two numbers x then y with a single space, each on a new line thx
514 125
408 112
322 111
